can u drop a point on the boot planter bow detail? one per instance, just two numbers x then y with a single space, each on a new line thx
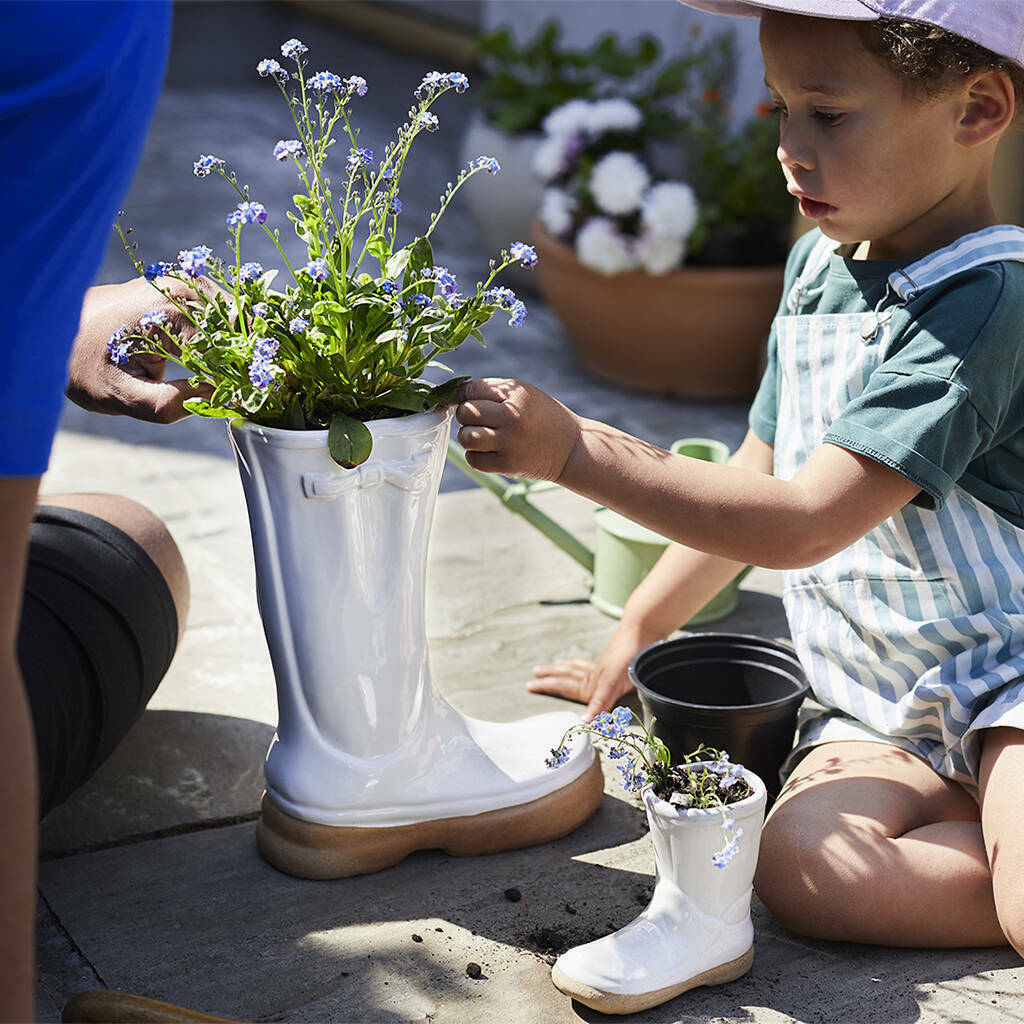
369 762
697 928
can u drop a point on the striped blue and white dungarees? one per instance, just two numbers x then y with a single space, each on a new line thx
914 634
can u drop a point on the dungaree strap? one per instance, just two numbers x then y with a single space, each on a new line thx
1002 242
990 245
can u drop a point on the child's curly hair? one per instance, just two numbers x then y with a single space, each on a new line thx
931 58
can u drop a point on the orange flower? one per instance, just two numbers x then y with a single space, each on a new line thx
712 95
764 108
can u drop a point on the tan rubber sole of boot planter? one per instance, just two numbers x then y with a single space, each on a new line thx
616 1002
310 850
107 1006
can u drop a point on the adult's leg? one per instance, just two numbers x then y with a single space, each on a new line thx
1001 778
17 765
106 596
867 843
146 529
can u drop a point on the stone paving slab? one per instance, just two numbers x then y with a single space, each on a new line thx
201 920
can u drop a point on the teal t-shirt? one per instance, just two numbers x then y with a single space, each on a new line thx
945 405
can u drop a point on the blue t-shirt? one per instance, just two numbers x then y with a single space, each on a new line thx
945 406
78 86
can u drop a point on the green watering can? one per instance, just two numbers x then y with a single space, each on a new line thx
625 552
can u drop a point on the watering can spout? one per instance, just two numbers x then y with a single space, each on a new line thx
625 551
515 496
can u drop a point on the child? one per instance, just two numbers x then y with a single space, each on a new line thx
883 472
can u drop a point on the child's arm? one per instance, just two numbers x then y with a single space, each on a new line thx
730 511
680 584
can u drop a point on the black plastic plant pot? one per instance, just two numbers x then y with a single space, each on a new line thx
733 692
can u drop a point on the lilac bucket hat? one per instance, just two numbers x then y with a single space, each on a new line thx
998 25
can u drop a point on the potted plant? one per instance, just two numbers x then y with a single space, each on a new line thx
705 815
688 269
340 446
524 83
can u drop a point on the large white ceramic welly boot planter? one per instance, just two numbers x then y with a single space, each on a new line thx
369 763
697 928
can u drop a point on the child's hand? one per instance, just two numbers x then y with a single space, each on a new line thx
598 684
514 428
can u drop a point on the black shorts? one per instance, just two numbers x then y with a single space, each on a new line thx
98 631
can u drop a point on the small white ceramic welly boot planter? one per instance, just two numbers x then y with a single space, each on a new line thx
705 816
340 444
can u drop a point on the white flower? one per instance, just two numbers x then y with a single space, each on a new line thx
670 208
658 254
600 246
619 182
549 157
555 211
614 115
572 118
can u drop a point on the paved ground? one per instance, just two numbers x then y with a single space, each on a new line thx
150 878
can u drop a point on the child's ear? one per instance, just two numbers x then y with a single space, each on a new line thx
988 107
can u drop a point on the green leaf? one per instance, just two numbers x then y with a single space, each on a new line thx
411 397
349 441
307 234
292 418
397 263
328 307
200 407
673 77
421 255
444 393
377 246
308 206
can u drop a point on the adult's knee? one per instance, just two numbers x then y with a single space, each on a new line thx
147 529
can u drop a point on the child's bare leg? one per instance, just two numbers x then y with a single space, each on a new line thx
868 844
1002 775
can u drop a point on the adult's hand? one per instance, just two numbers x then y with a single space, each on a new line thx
136 388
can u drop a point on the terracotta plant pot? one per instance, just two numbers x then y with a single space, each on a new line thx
696 332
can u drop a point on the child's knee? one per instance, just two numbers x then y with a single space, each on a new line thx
811 868
791 869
